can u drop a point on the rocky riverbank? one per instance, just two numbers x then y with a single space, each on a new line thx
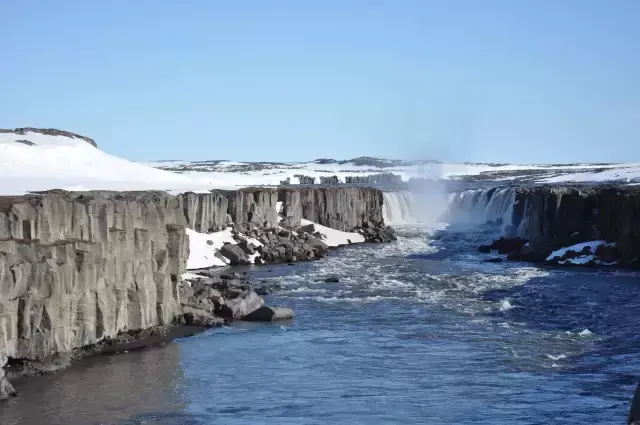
84 272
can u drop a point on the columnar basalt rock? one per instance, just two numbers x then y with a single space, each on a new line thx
253 207
206 212
83 269
552 217
342 208
79 268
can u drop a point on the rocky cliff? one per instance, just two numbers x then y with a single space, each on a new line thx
342 208
78 268
250 207
552 217
83 267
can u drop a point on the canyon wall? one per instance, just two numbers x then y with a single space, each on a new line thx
76 268
551 217
80 267
342 208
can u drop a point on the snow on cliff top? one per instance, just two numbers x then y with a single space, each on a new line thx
41 159
32 161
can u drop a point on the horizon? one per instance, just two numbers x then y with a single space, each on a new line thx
457 82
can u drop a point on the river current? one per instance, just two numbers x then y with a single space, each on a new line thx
422 331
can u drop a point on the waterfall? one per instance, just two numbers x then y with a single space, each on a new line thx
397 208
479 206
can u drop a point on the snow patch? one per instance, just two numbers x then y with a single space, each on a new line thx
203 247
333 237
593 246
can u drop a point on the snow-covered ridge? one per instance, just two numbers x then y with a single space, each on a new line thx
35 160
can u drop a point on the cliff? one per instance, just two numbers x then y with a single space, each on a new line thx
552 217
78 268
542 219
342 208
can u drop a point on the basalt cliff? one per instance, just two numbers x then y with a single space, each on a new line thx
544 219
81 268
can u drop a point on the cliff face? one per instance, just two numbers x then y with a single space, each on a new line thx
206 212
253 207
342 208
553 217
77 268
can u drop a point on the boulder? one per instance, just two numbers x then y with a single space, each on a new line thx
198 317
485 249
309 228
507 245
239 307
235 254
247 247
269 314
332 279
607 253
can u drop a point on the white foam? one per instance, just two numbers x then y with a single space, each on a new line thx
505 305
558 357
585 332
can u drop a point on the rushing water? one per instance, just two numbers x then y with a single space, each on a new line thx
418 331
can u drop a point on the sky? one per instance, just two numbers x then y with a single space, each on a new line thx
523 81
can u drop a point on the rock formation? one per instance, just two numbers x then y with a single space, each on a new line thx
91 269
553 217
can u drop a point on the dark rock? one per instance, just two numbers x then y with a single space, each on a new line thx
526 253
239 307
284 233
507 245
607 253
269 314
332 279
198 317
247 247
485 249
309 228
634 412
235 254
494 260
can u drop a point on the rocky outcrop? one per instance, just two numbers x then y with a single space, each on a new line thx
253 207
553 217
341 208
79 268
382 178
50 132
206 212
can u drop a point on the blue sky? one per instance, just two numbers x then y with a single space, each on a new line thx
491 80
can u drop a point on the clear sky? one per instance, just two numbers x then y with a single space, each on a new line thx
478 80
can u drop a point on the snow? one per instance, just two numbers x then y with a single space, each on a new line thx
64 162
627 173
202 253
593 245
60 162
203 247
333 237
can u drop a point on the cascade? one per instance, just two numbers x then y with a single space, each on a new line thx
479 206
397 208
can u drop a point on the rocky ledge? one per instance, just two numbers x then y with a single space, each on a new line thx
574 225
